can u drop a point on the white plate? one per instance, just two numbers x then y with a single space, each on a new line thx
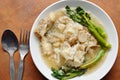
108 25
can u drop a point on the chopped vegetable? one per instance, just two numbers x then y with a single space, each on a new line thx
82 17
61 74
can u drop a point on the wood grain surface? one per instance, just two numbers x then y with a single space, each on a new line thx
20 14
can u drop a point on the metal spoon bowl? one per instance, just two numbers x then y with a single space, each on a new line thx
10 45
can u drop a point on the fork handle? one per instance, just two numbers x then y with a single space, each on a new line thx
12 70
20 70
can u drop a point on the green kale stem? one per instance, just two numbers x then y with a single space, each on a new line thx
99 29
94 60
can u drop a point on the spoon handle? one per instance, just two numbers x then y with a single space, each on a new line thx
12 71
20 70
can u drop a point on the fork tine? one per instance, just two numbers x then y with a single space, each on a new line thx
21 36
26 37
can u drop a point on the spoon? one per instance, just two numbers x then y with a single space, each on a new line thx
10 45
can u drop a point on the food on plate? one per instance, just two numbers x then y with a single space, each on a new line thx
71 42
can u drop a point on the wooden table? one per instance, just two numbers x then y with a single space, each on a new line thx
17 14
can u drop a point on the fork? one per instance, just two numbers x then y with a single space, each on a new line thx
23 49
